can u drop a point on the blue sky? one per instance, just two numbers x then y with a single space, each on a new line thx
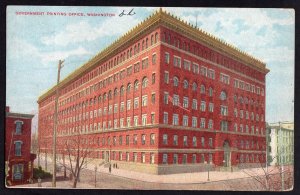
36 43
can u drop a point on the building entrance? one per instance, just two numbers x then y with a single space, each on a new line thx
227 154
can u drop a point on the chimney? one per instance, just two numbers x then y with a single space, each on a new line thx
7 109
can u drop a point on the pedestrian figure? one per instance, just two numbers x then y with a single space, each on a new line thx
109 168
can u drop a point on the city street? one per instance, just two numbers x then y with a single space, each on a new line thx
117 180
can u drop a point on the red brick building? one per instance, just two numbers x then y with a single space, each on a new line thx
164 98
19 160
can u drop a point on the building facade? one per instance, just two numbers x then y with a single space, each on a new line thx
164 98
280 143
19 160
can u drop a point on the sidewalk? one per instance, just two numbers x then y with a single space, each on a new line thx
183 178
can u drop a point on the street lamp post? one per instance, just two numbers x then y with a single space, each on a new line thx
95 175
55 123
207 166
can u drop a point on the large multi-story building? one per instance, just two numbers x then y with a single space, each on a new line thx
18 159
280 143
164 98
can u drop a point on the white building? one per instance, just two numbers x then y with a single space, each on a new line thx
280 143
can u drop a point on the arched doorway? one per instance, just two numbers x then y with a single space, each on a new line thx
227 154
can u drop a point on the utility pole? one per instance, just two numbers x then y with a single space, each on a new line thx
55 123
282 154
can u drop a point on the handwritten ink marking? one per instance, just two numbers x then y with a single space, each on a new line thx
127 14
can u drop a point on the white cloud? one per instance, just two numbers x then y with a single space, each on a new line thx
19 50
84 31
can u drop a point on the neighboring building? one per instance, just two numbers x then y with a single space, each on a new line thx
281 143
19 160
164 98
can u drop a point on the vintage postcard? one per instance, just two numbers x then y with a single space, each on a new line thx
151 98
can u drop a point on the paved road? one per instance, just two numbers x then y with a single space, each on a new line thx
109 181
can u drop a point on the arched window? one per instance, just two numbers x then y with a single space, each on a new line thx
146 43
152 39
115 92
99 99
185 84
104 97
145 82
109 95
122 90
241 99
210 91
223 95
194 86
202 89
128 87
143 45
176 81
156 38
136 85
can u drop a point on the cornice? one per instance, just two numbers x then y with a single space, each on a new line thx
159 17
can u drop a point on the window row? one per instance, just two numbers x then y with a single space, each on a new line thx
248 87
173 140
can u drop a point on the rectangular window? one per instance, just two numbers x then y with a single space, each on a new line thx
152 118
211 73
153 59
165 139
136 103
185 120
211 107
210 124
203 106
177 61
127 139
224 110
202 141
127 156
128 104
144 63
143 157
165 159
167 58
210 142
175 140
153 98
121 122
120 140
195 68
136 67
18 145
176 100
194 159
203 71
166 97
135 121
194 104
175 119
175 158
19 127
129 71
152 139
187 65
202 123
144 119
185 102
194 122
224 78
185 141
128 121
224 126
143 139
144 100
151 158
166 77
166 116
